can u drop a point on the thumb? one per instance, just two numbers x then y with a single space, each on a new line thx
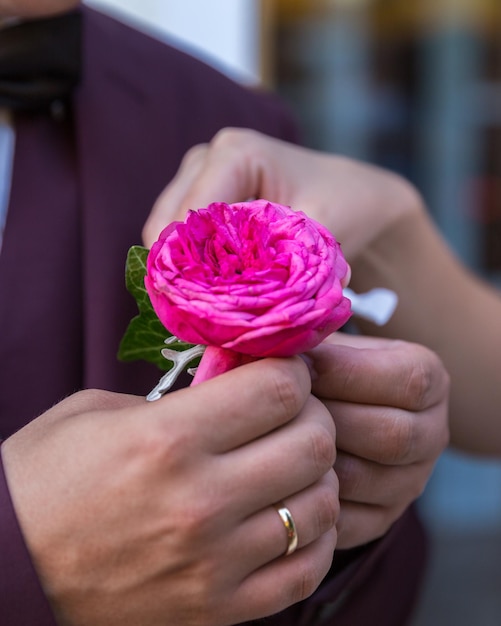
170 205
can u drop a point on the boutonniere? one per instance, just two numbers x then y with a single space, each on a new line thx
231 284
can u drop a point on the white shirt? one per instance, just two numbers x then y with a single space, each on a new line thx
7 140
6 148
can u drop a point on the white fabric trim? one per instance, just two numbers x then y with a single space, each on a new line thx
7 142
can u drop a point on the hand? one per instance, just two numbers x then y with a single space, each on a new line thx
389 402
354 200
148 513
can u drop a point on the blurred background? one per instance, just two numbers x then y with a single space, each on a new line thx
414 86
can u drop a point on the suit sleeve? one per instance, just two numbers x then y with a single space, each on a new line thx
22 600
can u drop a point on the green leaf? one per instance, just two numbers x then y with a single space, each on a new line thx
144 340
135 271
145 336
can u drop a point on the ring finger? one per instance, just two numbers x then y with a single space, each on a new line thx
263 537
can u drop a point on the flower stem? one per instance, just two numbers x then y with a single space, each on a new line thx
216 361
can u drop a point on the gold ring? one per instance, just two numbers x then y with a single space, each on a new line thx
290 527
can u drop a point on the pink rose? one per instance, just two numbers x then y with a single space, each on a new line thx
255 278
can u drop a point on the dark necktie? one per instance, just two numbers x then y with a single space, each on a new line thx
39 61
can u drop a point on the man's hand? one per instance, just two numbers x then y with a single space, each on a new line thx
155 513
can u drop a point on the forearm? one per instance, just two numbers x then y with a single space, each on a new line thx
442 305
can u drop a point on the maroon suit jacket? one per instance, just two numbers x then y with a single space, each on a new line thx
82 187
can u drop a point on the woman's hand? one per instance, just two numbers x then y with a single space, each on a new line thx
354 200
389 402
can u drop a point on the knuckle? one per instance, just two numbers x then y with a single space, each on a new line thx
327 511
352 478
426 378
323 449
193 520
193 155
308 580
93 399
90 396
152 445
198 520
418 384
287 392
170 449
231 138
399 439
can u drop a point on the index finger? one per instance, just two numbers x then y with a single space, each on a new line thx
230 169
241 405
391 373
233 169
169 205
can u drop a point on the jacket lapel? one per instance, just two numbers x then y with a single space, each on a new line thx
116 192
39 273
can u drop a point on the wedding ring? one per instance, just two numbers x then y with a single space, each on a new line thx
290 527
